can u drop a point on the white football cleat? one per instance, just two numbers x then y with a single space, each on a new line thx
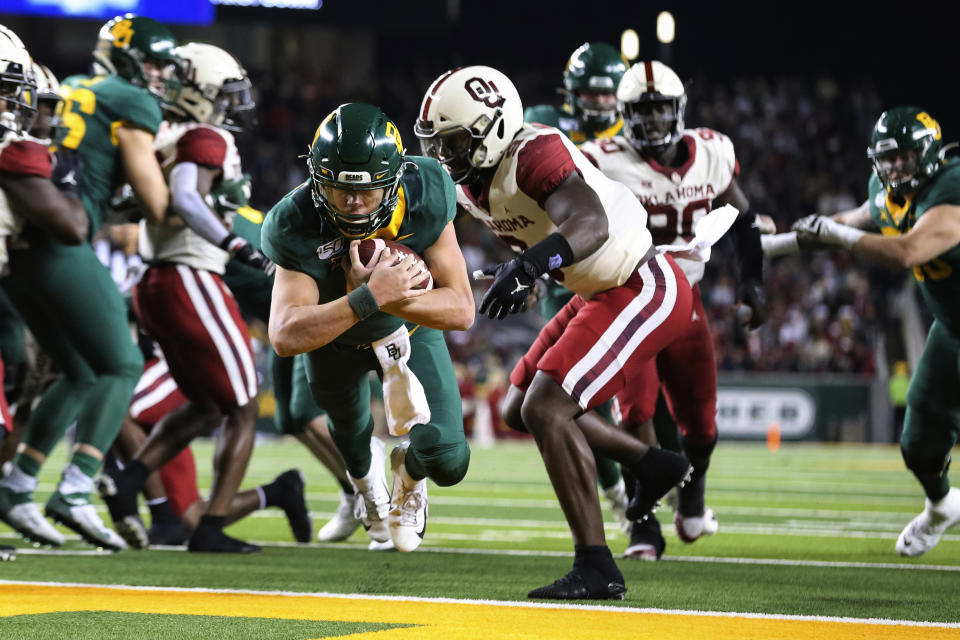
25 518
76 512
617 502
408 506
372 500
923 533
343 523
691 529
381 546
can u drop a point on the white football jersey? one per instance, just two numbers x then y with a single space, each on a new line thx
535 163
675 198
173 241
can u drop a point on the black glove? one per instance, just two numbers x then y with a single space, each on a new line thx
512 282
67 168
751 294
245 253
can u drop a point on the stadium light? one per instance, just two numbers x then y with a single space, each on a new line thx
630 44
666 27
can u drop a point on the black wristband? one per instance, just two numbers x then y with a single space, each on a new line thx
749 248
550 253
362 302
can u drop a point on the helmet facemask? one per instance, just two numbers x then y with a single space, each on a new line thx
597 108
460 149
654 122
18 98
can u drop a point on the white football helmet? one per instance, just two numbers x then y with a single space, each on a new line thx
468 117
216 89
18 86
48 95
644 92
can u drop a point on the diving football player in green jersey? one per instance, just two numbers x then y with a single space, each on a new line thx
351 319
296 412
914 203
589 112
67 297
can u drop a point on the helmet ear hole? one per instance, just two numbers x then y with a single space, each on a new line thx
500 129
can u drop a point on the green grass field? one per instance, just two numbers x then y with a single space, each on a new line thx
808 530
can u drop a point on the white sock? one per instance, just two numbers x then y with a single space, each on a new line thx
18 481
75 481
263 497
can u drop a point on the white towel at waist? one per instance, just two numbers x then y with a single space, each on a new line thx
403 396
708 231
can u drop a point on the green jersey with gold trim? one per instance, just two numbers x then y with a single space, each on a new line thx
938 279
556 117
298 237
93 109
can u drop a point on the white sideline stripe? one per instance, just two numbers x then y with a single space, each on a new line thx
813 563
205 314
500 603
63 552
242 347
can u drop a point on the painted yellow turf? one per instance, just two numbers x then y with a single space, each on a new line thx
445 620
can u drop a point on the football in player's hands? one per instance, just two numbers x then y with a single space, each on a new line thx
370 249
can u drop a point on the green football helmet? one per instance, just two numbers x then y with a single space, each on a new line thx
594 70
127 43
905 148
356 148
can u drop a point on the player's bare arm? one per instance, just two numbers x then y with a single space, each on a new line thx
449 306
298 324
858 218
143 172
576 210
936 231
37 199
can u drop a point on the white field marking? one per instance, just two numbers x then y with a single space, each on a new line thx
499 603
830 564
63 552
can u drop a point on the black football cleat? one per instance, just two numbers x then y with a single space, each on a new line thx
213 540
168 533
294 504
646 540
656 473
573 586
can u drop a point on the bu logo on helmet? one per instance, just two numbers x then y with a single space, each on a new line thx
483 91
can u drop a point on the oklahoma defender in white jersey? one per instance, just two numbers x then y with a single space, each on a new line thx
679 175
184 305
535 190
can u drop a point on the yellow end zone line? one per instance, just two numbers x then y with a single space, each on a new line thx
444 618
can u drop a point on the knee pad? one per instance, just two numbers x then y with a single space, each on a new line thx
445 464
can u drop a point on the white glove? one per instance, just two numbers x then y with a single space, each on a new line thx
818 232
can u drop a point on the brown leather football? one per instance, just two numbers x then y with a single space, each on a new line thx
372 246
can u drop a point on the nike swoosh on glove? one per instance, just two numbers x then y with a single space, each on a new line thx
512 282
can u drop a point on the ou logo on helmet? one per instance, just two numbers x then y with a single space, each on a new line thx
484 91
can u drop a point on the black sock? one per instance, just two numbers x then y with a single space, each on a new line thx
346 487
596 565
272 494
212 522
162 512
137 473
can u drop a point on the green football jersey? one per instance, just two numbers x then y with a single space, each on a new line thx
939 279
297 237
556 117
93 109
250 286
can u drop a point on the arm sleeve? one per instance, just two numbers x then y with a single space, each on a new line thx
202 146
189 205
26 158
542 164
